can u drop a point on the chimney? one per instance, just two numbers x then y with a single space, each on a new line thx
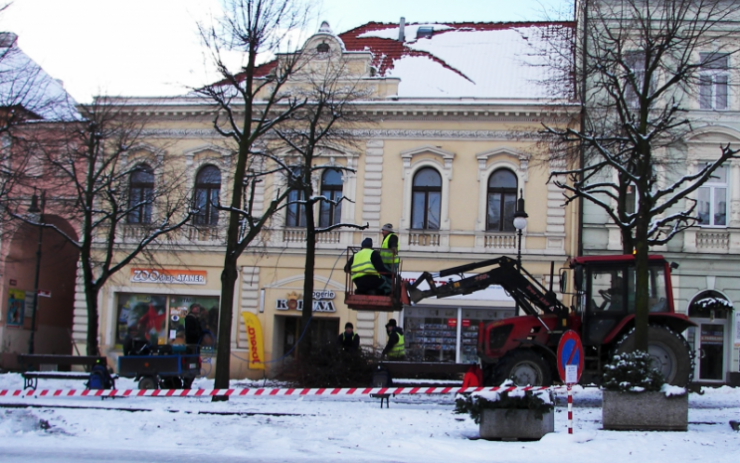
7 39
402 30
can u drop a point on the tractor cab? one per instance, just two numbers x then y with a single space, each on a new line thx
606 288
375 301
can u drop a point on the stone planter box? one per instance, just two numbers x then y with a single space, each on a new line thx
512 424
644 411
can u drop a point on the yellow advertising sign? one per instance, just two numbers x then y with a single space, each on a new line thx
256 343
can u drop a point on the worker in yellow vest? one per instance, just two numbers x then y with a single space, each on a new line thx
368 273
389 247
396 348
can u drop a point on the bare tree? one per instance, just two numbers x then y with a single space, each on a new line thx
91 168
320 129
250 103
639 63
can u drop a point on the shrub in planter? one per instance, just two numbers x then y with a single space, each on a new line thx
636 397
509 414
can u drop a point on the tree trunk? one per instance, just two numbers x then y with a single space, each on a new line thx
91 298
229 276
641 284
307 342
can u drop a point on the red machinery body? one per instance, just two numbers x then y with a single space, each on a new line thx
523 348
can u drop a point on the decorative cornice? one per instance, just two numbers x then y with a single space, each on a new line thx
483 135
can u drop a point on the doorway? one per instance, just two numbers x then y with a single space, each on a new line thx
711 311
323 331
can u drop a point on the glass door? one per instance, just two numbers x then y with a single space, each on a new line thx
708 343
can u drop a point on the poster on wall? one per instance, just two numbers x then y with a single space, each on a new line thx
16 307
737 331
142 316
204 308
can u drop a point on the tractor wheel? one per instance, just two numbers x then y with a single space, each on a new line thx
524 367
669 351
148 382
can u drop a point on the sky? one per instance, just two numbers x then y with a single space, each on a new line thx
152 47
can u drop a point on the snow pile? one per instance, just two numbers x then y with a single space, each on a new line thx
673 391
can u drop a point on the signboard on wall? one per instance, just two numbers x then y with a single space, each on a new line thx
322 302
16 309
168 276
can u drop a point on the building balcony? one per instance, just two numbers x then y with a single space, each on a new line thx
501 241
713 241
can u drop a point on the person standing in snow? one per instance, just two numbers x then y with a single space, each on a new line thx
396 348
349 341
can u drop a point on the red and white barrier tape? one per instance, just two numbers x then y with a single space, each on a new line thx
242 392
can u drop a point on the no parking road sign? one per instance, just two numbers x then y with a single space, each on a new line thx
570 357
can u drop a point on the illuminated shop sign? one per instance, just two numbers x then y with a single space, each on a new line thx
174 277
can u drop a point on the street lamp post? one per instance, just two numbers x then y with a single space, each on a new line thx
520 223
38 211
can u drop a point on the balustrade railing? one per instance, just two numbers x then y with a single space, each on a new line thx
500 241
717 241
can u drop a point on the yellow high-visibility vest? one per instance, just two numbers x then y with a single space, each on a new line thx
399 350
362 265
386 253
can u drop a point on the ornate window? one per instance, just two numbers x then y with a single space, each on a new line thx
712 199
426 199
714 81
141 192
331 189
502 188
207 190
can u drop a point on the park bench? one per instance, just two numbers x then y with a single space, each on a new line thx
31 363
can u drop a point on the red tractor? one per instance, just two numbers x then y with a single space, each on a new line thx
523 348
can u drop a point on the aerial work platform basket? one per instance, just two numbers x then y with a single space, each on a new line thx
392 302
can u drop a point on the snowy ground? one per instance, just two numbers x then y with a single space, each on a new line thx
332 429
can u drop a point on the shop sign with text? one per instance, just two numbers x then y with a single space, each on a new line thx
293 304
167 276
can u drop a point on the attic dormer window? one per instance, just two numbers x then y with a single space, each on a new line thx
424 32
323 47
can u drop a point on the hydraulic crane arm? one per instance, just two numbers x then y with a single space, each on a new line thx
528 293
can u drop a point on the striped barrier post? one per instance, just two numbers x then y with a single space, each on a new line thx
570 410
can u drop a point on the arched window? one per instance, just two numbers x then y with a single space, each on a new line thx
207 189
331 189
141 192
295 214
501 201
426 198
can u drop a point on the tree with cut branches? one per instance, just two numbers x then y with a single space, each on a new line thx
90 169
319 130
639 65
250 103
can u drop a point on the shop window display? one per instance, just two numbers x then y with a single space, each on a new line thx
432 333
160 319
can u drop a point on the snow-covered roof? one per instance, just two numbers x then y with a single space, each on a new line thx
477 60
23 83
